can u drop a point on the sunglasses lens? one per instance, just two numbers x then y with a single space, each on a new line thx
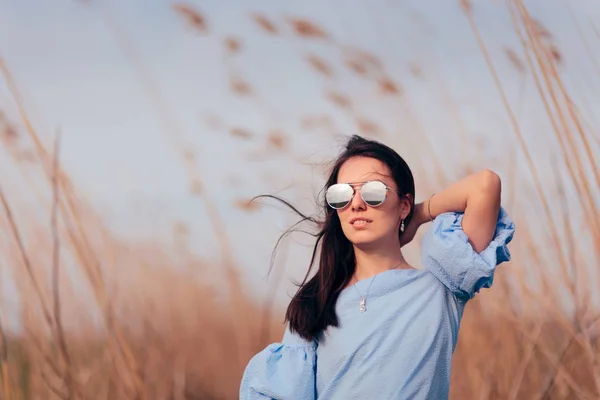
339 195
373 193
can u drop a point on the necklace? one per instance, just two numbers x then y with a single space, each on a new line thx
363 298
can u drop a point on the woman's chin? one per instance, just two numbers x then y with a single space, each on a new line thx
363 239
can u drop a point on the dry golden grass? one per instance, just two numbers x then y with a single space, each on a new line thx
193 17
149 325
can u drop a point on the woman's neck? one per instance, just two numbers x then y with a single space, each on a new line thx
372 262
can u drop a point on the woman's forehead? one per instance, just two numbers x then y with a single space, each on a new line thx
364 169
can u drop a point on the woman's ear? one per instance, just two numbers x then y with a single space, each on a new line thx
406 204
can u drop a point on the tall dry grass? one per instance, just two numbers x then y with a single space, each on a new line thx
147 325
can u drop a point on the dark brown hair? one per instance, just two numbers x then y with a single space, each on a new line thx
312 309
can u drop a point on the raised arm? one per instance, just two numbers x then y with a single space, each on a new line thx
478 196
468 238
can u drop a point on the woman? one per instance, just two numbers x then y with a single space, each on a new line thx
367 325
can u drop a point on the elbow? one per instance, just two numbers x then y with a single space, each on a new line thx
490 184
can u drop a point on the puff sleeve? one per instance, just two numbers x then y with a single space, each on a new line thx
282 371
447 254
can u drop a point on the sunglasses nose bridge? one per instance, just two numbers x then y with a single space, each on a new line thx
357 201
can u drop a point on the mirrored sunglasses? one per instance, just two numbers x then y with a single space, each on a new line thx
340 195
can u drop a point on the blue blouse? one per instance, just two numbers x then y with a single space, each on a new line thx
402 346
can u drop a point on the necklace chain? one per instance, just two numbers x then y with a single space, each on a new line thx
363 298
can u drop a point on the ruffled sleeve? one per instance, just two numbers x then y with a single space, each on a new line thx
447 254
282 371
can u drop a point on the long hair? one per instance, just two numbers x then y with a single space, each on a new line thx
312 309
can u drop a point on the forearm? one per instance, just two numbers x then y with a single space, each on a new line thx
478 196
455 198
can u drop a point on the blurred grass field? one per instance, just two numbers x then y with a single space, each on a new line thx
159 328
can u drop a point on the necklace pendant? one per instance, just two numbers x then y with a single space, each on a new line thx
363 305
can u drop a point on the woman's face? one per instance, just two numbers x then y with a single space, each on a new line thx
382 222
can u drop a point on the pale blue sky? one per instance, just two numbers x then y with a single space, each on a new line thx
74 73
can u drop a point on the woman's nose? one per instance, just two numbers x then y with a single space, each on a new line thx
357 202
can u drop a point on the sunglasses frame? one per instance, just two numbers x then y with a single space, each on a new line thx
362 184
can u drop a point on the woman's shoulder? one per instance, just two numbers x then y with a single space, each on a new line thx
448 255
